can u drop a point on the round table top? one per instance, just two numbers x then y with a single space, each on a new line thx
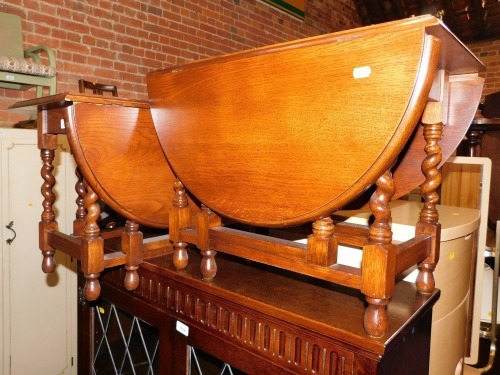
286 135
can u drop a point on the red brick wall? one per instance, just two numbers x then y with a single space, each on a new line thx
489 53
118 42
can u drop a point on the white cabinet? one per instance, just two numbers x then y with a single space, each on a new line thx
38 314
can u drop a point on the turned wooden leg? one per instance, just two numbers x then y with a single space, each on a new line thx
378 266
474 142
179 217
375 319
48 218
92 288
81 212
92 245
208 266
180 257
132 247
205 220
429 216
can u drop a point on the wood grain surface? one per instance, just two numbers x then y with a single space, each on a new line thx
117 150
286 136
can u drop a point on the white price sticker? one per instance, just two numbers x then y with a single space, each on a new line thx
182 328
361 72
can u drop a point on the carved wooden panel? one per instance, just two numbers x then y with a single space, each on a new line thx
282 343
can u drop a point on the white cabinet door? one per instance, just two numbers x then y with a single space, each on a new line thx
38 312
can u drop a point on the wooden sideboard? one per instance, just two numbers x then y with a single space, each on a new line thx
264 321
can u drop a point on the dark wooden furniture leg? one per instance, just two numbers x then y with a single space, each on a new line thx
132 247
206 220
179 219
81 212
474 142
85 329
379 259
92 246
48 218
429 216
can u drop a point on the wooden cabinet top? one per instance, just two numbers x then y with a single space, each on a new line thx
331 312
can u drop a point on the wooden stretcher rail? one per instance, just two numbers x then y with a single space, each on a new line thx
351 234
